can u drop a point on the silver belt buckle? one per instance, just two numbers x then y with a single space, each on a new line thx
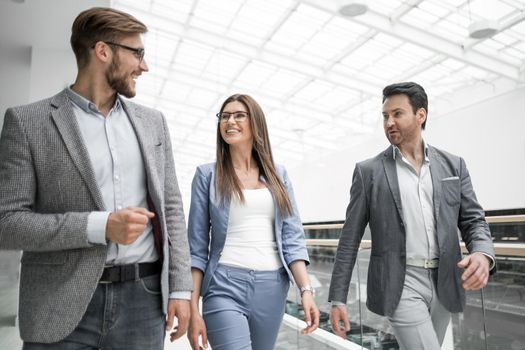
430 264
105 282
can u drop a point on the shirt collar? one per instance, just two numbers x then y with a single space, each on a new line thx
85 104
397 151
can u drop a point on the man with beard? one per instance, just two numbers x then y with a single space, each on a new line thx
89 193
414 197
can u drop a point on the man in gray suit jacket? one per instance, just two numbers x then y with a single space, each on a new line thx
88 191
414 197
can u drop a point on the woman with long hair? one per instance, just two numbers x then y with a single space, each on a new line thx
246 238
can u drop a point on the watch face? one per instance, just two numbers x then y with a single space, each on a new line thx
307 288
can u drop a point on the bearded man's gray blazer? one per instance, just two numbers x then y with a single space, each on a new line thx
47 190
375 200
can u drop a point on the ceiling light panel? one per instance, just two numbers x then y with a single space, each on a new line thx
419 18
223 66
385 7
495 49
175 91
143 6
437 9
159 49
298 29
514 55
453 28
149 85
335 37
202 97
453 64
505 38
489 9
256 19
312 91
153 22
283 82
176 10
256 73
293 123
453 3
193 56
518 31
215 16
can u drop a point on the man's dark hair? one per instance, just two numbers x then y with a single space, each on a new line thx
101 24
415 93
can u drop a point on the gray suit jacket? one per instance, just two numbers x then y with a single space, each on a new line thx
48 189
375 200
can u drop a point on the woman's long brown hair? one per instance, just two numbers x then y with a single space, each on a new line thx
226 181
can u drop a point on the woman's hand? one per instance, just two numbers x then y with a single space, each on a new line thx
197 328
311 312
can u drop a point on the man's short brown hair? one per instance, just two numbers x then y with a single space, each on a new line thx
101 24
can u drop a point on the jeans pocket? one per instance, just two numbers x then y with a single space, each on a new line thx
151 284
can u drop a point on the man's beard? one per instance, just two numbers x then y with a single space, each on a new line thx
119 83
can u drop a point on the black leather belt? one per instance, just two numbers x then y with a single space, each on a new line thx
123 273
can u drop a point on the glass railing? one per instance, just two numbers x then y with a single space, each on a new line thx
494 318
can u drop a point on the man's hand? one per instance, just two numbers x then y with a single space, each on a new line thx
476 273
179 308
311 313
338 314
126 225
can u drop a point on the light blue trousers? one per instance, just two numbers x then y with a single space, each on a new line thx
243 309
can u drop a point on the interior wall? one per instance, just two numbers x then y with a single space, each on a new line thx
52 70
488 135
15 63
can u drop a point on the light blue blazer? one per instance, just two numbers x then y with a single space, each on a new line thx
206 211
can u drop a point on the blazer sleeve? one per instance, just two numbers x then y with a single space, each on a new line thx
474 229
293 241
351 235
199 221
21 228
179 256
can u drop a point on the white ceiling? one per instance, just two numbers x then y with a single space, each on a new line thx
317 75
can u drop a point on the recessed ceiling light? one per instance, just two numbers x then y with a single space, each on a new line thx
352 8
483 29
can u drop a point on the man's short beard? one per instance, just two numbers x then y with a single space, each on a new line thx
119 83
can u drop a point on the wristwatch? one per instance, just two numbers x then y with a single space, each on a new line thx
307 288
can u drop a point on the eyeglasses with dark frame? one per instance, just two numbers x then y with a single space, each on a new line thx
138 51
238 116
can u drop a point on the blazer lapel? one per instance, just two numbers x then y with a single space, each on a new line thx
391 175
220 214
145 141
66 122
436 172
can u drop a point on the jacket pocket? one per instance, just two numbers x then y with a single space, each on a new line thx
451 190
44 258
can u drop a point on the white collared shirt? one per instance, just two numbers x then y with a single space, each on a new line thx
417 201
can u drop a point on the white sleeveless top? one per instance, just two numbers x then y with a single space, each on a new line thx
250 238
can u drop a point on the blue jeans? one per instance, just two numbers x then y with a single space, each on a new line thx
120 316
243 309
